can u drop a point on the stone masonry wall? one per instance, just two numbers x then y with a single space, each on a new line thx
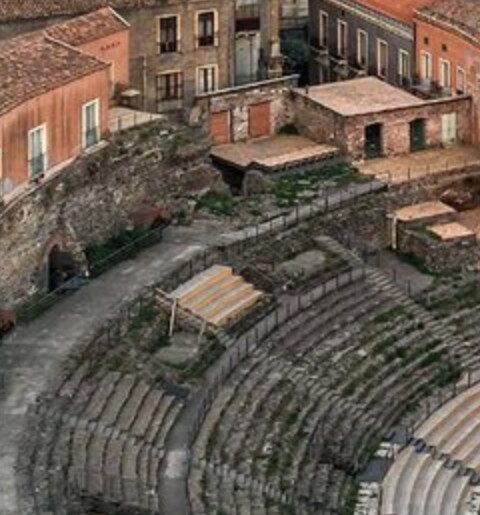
437 255
396 129
237 101
93 198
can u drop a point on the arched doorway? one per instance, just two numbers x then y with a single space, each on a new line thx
61 267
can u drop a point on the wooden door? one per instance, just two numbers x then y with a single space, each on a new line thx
220 128
259 120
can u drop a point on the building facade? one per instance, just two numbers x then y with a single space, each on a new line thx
55 94
354 38
178 49
448 51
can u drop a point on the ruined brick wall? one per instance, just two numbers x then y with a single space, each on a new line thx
93 198
238 101
396 129
317 122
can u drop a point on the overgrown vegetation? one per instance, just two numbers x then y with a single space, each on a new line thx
217 204
290 189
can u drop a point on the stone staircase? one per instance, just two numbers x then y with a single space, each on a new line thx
217 295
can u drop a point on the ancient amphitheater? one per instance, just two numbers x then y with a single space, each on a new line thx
293 365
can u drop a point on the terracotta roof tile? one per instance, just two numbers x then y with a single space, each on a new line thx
34 64
461 15
400 10
92 26
32 9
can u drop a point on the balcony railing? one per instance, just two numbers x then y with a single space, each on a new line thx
206 40
37 165
167 47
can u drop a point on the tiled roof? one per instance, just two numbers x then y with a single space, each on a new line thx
462 15
32 9
401 10
92 26
34 64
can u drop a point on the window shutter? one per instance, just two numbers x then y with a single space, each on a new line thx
215 28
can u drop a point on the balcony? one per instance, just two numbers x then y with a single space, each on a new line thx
206 40
167 47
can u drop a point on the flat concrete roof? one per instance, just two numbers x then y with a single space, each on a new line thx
423 210
360 96
451 231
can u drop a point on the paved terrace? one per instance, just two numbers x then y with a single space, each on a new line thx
29 357
417 165
272 153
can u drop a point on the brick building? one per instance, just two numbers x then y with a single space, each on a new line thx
178 48
368 118
354 38
54 93
448 50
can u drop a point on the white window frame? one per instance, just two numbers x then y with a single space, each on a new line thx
426 68
380 43
200 69
215 27
43 129
95 102
460 72
362 33
323 30
402 54
179 32
445 81
342 24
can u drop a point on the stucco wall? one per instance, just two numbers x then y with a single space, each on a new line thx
61 111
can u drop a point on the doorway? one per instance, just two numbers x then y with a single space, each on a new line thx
373 140
61 267
417 135
449 129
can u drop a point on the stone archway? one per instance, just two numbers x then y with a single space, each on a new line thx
61 267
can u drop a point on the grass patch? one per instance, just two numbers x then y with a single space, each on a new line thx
147 313
390 315
98 253
350 500
219 204
290 188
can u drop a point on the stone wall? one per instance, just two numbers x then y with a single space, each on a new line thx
318 122
93 198
396 129
348 132
438 255
237 101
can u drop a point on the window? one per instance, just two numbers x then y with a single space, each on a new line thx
426 41
206 29
382 58
37 151
206 79
445 75
362 48
90 123
403 66
426 66
168 34
342 38
323 29
169 86
461 80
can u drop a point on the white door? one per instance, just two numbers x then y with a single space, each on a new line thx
449 128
